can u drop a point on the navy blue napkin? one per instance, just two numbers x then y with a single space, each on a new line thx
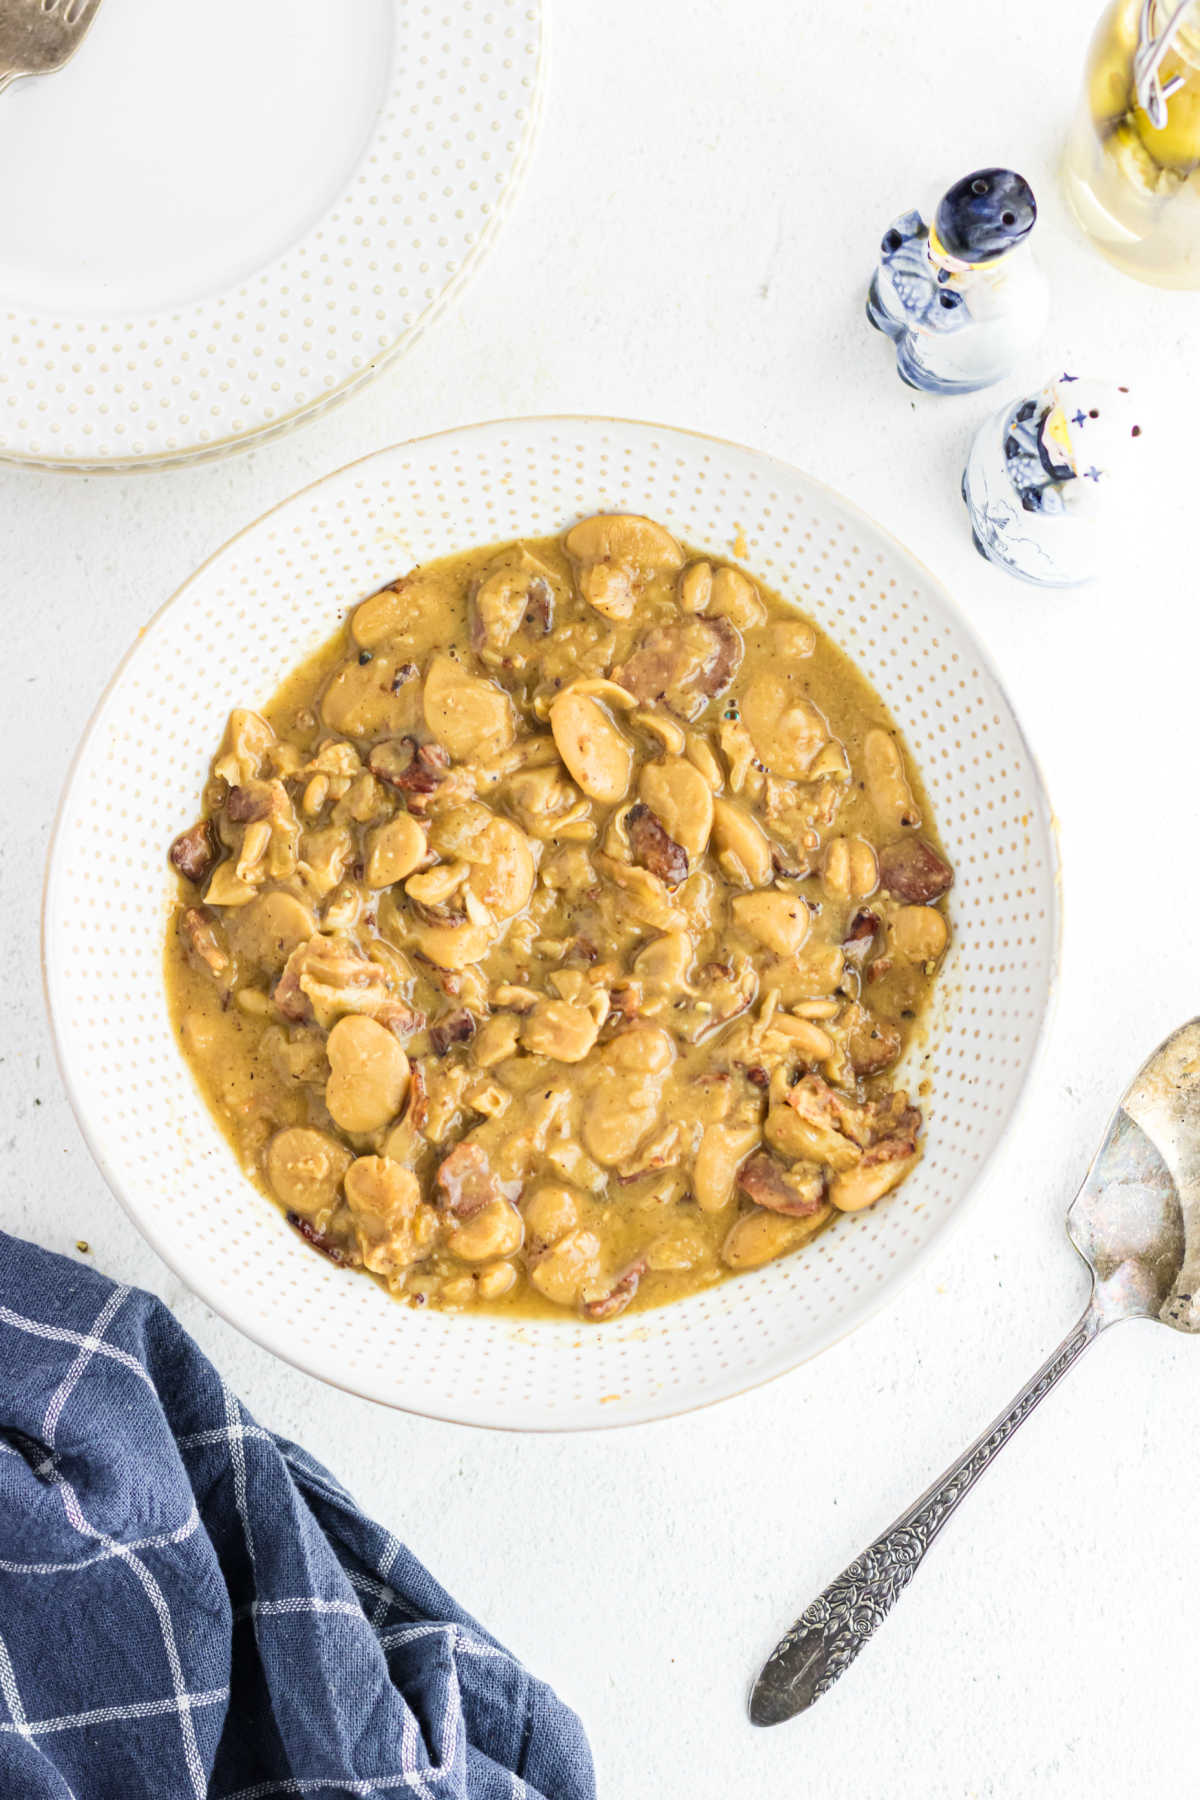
192 1606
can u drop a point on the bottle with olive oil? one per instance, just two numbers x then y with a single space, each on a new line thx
1132 166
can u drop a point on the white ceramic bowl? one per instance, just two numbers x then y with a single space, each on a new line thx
229 636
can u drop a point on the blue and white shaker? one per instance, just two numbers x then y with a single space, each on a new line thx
962 299
1051 477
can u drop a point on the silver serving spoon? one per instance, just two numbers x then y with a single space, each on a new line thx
1136 1223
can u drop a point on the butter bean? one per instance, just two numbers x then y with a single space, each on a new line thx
702 756
502 868
466 713
742 846
807 1040
666 960
394 850
887 783
759 1237
616 1119
559 1029
695 587
794 637
368 1074
266 932
736 598
819 968
861 1186
567 1267
362 701
495 1041
305 1169
550 1212
918 933
682 801
451 946
675 1251
598 755
849 870
787 730
499 1279
626 538
723 1148
777 919
496 1230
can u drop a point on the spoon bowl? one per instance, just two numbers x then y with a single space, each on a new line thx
1136 1219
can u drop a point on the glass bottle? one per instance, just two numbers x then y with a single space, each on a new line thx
1132 166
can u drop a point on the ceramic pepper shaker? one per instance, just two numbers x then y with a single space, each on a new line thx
962 298
1049 478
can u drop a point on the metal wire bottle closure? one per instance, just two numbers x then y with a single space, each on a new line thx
1152 95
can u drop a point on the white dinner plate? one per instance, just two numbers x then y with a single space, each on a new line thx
220 217
229 636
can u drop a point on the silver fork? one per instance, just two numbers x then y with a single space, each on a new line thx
39 36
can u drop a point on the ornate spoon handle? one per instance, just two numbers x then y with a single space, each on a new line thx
829 1634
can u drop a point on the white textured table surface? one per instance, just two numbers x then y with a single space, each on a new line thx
691 247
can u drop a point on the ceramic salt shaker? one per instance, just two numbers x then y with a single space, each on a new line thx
962 298
1049 479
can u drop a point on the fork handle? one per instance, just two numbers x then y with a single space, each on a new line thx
829 1634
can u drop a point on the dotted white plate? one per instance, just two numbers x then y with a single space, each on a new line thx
229 637
273 201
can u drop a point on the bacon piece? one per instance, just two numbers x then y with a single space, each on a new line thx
316 1238
400 1018
407 766
786 867
878 1171
455 1028
539 612
418 1098
727 990
201 939
653 848
619 1294
882 1165
863 1122
194 853
625 1000
255 800
467 1182
798 1191
288 996
872 1044
825 1109
513 595
891 1118
726 661
913 871
327 977
684 664
244 804
860 937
